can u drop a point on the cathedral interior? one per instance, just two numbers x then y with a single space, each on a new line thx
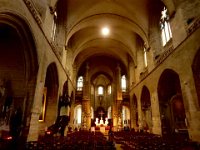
123 71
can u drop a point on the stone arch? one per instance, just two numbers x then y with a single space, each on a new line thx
65 99
51 84
125 116
145 98
196 74
146 109
18 64
77 115
170 103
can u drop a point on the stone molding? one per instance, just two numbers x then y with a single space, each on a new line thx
165 54
33 11
193 26
37 17
144 73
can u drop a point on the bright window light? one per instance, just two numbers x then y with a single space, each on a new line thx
123 83
166 33
79 111
100 90
145 57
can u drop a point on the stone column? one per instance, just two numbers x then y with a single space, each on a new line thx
192 115
114 116
86 115
132 113
156 122
37 102
133 117
117 108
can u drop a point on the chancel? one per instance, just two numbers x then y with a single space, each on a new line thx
100 74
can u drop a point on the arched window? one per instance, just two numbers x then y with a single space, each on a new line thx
109 89
125 116
80 83
100 90
77 114
145 57
123 83
109 113
53 32
165 27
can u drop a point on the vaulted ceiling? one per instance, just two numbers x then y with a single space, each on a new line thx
128 21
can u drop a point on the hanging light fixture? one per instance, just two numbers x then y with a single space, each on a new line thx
105 31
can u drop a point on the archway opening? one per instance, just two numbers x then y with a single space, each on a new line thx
51 86
125 117
196 74
172 111
18 67
146 109
77 116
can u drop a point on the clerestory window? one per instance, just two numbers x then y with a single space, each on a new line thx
165 27
53 32
100 90
109 89
80 83
123 83
145 57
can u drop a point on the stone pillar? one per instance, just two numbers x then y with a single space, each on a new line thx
37 103
114 115
132 113
192 115
34 122
86 115
156 122
133 117
86 111
117 108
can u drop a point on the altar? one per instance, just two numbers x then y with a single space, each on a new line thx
102 129
102 126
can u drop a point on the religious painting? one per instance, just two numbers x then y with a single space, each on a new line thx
43 106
